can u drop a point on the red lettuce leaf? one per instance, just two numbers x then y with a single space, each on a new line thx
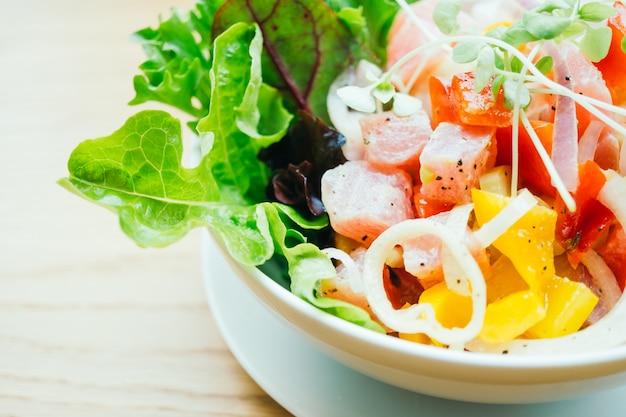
306 46
299 160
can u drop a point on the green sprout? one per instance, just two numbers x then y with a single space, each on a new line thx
378 93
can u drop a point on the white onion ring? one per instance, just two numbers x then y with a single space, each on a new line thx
354 276
420 318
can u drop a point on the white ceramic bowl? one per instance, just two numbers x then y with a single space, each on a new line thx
474 377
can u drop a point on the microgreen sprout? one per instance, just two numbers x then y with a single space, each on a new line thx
556 20
379 92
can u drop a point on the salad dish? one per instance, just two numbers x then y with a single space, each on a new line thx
251 330
445 175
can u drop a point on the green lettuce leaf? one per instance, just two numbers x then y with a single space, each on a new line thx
370 22
379 16
236 87
137 171
307 266
177 63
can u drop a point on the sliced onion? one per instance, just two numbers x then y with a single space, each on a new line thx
622 160
454 273
565 134
420 318
352 271
498 225
603 278
344 119
613 196
588 142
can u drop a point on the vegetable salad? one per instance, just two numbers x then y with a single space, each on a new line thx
445 172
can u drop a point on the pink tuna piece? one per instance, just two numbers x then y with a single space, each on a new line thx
396 141
363 201
422 256
453 161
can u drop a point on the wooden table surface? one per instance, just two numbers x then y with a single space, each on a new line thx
90 324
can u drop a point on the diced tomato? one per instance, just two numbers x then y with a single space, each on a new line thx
532 170
613 251
612 66
578 231
401 287
455 100
442 108
478 108
426 207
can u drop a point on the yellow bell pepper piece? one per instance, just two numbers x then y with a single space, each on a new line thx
528 243
569 305
504 280
451 309
416 338
511 316
512 307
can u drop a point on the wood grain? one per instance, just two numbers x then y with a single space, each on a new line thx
91 324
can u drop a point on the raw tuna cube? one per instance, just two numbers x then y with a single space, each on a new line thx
453 161
397 141
363 201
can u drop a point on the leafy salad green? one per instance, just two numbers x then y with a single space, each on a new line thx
245 73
